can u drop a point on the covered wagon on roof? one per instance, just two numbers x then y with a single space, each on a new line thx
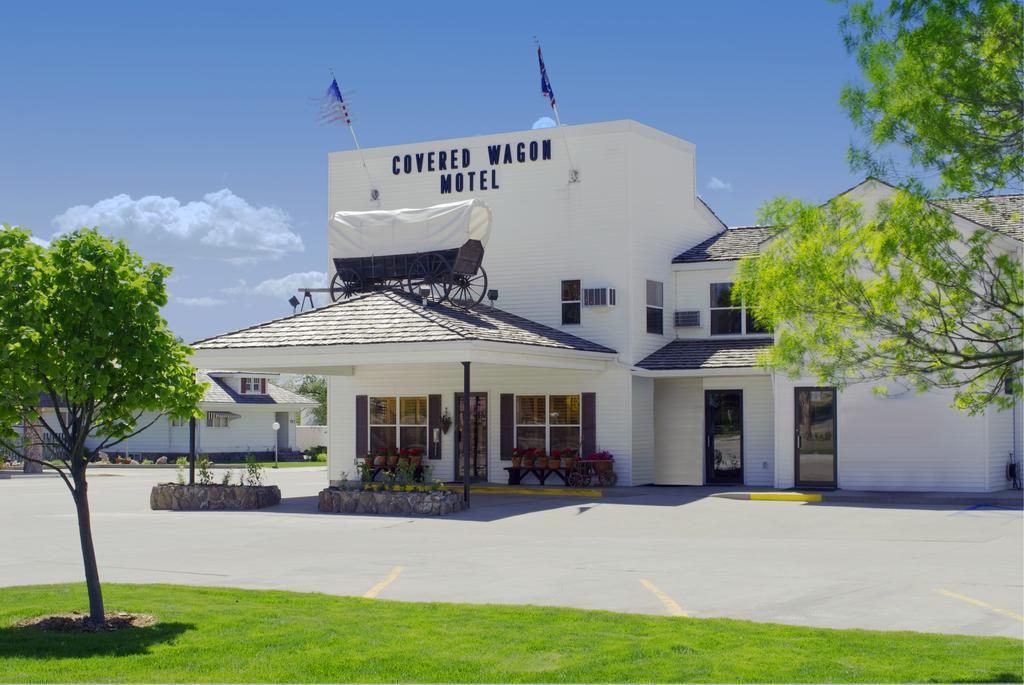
439 249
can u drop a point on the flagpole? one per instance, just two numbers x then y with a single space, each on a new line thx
374 192
574 173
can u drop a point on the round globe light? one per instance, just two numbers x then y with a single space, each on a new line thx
276 426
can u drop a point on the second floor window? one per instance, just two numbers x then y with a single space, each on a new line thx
655 307
729 318
570 302
254 386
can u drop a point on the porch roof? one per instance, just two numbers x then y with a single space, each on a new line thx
391 327
701 354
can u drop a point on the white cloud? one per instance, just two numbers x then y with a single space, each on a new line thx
718 184
220 226
39 241
288 285
199 301
544 122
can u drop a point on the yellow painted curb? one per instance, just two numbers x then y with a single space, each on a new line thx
499 490
784 497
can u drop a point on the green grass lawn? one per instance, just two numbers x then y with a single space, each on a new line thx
282 464
214 635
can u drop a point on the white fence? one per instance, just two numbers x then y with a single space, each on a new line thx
310 436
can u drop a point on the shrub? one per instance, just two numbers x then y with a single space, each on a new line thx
253 471
205 474
225 478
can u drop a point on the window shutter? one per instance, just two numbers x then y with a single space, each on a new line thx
362 439
263 386
588 419
433 423
508 425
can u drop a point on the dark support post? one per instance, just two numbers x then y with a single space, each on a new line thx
465 432
192 451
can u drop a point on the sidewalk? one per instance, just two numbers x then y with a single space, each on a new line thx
1011 499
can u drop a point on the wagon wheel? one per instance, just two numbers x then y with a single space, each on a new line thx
390 284
430 269
576 480
346 283
608 479
466 291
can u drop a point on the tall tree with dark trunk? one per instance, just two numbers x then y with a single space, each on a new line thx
85 353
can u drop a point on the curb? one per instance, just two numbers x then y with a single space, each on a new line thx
881 498
770 496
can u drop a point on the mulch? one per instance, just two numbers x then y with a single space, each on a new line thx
74 622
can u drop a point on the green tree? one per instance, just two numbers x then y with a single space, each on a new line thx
81 332
315 388
897 290
944 79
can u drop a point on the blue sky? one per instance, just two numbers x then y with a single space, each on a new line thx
209 110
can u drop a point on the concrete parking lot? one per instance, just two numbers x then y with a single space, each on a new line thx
660 551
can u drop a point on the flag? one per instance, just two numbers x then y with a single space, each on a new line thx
333 107
545 84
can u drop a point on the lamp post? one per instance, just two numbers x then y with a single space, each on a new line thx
276 426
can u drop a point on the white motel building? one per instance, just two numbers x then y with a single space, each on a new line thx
612 329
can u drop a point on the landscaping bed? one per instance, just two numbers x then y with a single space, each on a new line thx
251 636
177 497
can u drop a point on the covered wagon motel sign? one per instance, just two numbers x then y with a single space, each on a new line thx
454 164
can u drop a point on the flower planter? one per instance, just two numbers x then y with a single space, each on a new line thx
401 503
541 463
392 461
175 497
527 463
567 462
380 461
602 465
517 462
368 460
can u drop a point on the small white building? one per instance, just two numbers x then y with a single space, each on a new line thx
612 329
239 412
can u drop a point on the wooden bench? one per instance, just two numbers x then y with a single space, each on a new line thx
541 473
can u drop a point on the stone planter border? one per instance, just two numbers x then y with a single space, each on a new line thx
176 497
433 503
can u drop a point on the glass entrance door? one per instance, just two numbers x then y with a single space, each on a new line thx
815 437
723 437
477 436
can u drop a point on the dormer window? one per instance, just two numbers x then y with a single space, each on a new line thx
254 386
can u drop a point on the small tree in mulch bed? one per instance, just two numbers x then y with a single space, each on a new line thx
84 351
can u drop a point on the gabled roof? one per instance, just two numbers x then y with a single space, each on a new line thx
1002 213
219 391
701 353
397 317
730 244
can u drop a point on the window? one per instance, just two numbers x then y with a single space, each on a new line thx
570 302
398 423
254 386
548 422
655 307
217 420
728 318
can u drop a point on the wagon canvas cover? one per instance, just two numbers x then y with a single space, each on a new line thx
403 231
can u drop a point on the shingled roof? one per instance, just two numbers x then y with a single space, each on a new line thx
1002 213
219 391
698 353
730 244
396 317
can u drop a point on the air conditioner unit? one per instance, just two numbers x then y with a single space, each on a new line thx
599 297
687 319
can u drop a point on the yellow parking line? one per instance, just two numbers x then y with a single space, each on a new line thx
979 603
390 578
673 607
785 497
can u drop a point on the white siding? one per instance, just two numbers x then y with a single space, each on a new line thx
758 425
910 442
643 430
678 431
679 428
612 388
1000 445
